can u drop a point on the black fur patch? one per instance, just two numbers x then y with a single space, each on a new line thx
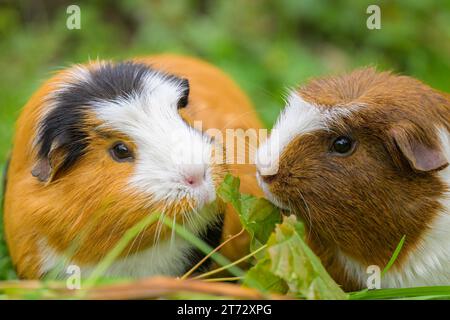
183 102
64 125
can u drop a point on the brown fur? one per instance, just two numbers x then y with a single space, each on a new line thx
362 204
88 206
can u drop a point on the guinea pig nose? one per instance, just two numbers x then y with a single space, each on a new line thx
191 181
194 175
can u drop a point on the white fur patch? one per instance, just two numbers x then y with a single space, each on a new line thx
168 149
429 264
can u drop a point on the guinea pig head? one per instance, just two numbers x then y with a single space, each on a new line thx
363 158
112 148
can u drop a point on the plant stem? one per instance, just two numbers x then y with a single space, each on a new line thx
192 270
223 279
207 274
202 246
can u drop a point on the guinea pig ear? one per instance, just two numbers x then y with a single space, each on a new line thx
422 153
184 98
46 167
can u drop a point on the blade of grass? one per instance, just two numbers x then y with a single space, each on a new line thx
203 246
394 256
386 268
70 252
442 291
443 297
109 259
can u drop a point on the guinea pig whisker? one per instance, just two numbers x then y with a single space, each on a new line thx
182 220
242 115
132 244
141 237
308 213
190 216
172 234
159 228
194 212
194 114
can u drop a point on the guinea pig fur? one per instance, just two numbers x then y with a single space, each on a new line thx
100 146
363 158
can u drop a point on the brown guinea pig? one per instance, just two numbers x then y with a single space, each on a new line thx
100 146
363 159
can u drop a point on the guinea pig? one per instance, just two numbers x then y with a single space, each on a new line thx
363 158
102 145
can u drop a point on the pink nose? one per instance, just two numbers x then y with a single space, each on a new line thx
194 175
192 181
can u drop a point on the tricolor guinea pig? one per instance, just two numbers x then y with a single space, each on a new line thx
100 146
363 158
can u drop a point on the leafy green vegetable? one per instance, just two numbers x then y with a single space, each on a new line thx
261 278
259 219
257 215
294 262
288 265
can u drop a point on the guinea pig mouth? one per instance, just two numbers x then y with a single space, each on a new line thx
191 200
269 195
203 198
193 209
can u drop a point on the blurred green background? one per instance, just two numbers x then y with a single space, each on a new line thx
266 46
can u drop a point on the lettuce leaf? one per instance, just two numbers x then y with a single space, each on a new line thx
287 265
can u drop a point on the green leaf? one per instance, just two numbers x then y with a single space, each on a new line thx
229 192
259 218
257 215
288 265
261 278
294 262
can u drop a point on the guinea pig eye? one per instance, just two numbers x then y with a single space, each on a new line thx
120 152
343 145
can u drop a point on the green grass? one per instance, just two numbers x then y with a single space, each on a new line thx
6 268
422 293
394 256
